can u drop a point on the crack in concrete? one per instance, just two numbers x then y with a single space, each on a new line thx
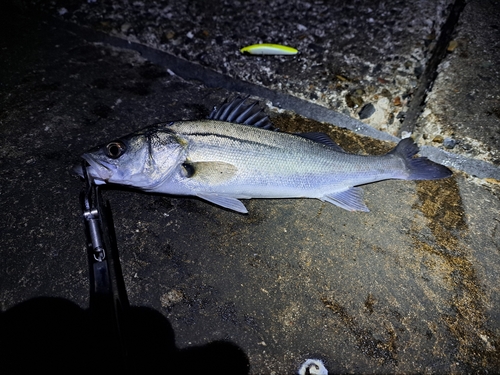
427 79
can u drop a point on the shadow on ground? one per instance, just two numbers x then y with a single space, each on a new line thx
56 335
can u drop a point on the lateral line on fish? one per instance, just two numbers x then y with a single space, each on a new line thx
228 137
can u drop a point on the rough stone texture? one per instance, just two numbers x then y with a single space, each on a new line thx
351 53
411 286
464 103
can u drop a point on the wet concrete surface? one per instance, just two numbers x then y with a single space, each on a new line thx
411 286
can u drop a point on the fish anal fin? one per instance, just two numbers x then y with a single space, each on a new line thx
227 202
209 172
350 199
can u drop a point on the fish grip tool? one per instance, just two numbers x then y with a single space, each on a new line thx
108 302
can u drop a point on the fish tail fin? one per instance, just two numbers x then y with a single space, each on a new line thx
419 168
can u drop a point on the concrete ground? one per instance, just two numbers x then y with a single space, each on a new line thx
411 286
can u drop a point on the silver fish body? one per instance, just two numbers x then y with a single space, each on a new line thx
222 162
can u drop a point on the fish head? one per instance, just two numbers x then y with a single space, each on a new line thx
142 160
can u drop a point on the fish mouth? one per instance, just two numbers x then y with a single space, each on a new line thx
100 171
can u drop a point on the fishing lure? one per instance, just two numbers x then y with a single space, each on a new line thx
268 49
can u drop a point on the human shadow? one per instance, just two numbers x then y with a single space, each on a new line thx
56 335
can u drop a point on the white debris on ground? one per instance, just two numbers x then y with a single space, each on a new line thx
313 367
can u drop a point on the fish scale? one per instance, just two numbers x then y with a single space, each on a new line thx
281 156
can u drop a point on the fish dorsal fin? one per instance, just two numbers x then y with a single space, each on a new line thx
209 172
239 112
321 138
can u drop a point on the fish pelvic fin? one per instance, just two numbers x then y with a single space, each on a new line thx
226 202
419 168
350 199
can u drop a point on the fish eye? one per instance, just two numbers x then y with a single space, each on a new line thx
115 149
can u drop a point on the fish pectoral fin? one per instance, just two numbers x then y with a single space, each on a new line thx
350 199
209 172
227 202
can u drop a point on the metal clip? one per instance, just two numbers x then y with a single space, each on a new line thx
92 216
